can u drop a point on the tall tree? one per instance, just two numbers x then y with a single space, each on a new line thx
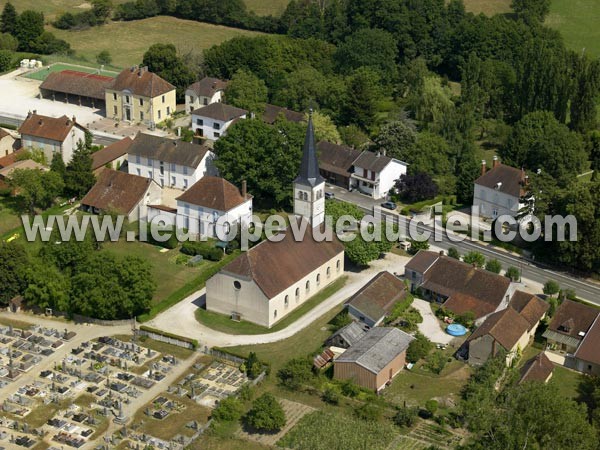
397 139
467 171
36 189
584 103
266 414
30 26
14 262
162 59
417 187
47 287
532 11
8 19
247 91
58 165
79 177
362 95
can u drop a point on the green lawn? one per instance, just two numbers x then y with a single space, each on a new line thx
220 322
267 7
52 8
566 380
127 41
43 73
488 7
9 216
577 20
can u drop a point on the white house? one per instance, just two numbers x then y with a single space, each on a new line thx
270 280
213 120
204 92
171 163
210 203
376 174
52 135
502 190
7 143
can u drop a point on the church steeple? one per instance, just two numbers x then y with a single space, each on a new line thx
309 167
309 185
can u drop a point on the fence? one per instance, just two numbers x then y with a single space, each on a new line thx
223 355
77 318
168 338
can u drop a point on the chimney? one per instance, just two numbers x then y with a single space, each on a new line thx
378 154
483 167
74 119
496 162
441 252
29 114
244 189
384 151
35 111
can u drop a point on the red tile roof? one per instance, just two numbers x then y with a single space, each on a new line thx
529 306
573 319
77 83
208 86
589 349
117 191
220 111
537 369
506 327
139 81
52 128
272 112
336 158
110 153
275 266
422 261
214 193
377 298
11 158
511 178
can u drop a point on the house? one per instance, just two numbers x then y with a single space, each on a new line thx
7 143
138 95
212 121
84 88
458 286
508 330
112 156
6 172
347 336
538 369
122 193
587 357
569 326
376 174
210 206
52 135
502 190
376 299
273 112
336 163
171 163
204 92
375 359
273 278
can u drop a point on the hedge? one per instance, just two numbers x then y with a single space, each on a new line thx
170 243
166 334
202 248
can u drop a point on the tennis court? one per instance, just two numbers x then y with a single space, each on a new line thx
42 74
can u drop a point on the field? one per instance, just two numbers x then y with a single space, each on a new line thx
577 20
267 7
42 74
127 41
488 7
52 8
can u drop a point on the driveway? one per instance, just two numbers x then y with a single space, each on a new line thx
181 319
430 326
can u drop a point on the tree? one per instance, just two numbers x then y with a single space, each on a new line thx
419 348
229 409
361 252
280 144
47 287
79 177
431 406
58 166
416 246
101 10
325 129
247 91
8 42
539 141
36 189
369 47
295 373
415 188
253 366
551 287
474 258
331 396
104 57
467 171
584 109
336 209
453 253
162 59
30 26
266 414
14 263
362 95
513 273
8 19
531 10
406 416
493 265
6 60
397 140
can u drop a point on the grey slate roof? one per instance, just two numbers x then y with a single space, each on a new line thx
309 167
378 347
220 111
351 333
168 150
372 161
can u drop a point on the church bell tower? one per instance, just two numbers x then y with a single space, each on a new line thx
309 185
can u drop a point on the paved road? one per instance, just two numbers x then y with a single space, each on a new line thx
181 319
585 289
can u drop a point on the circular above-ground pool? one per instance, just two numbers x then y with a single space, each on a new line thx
456 329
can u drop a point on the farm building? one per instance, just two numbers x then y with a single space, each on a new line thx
81 88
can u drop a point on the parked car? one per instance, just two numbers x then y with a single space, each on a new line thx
329 195
389 205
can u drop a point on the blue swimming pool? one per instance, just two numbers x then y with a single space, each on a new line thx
456 329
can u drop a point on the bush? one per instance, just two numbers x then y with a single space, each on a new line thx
475 258
436 362
266 414
253 366
170 243
431 406
206 250
513 273
453 253
551 287
6 60
229 409
341 320
368 411
419 348
349 389
331 396
295 373
467 319
406 417
493 265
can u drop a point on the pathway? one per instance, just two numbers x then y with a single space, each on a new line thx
430 326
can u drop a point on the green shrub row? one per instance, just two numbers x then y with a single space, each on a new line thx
202 248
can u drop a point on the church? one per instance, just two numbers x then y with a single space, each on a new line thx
266 283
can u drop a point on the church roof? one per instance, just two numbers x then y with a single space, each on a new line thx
309 167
